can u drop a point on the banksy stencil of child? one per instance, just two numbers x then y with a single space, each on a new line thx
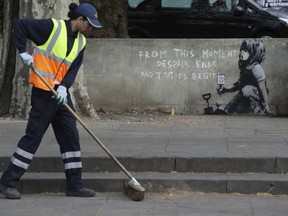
252 96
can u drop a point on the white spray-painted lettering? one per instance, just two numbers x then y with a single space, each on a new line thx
220 54
203 76
183 76
152 54
164 75
172 64
182 53
179 63
205 64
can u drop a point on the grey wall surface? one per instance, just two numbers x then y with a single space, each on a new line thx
140 74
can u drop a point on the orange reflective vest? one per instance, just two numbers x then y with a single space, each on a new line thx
50 58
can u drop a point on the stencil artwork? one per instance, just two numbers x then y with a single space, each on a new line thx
252 96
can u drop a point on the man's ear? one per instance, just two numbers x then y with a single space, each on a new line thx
80 18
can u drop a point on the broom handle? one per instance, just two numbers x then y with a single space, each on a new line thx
84 125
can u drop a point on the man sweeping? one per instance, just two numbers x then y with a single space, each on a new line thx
58 55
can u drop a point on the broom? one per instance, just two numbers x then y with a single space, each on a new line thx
134 190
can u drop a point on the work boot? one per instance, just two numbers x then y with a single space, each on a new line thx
80 192
10 192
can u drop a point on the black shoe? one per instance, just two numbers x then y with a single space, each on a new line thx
80 192
10 192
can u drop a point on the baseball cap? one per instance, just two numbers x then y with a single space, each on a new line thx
88 10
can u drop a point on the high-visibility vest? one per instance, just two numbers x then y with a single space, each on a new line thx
50 59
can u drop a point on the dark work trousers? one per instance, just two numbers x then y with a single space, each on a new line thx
44 111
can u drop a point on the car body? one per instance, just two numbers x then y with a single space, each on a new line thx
203 19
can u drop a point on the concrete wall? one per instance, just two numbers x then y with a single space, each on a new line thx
126 74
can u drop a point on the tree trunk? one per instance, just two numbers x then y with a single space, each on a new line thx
8 9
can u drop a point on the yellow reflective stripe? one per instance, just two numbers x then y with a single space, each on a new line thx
45 45
55 37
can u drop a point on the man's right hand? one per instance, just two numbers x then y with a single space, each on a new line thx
26 58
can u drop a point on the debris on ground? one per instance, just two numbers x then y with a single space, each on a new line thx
158 117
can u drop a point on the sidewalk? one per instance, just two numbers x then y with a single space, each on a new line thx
116 204
205 144
199 136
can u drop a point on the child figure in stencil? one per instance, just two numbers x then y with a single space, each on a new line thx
252 96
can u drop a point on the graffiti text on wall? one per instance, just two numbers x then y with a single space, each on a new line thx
182 64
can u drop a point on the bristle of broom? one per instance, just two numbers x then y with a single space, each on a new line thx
136 194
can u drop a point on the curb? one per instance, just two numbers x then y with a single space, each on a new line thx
249 183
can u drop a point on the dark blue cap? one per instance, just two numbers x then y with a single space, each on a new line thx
88 10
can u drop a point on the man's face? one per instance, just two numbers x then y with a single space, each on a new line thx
84 26
244 55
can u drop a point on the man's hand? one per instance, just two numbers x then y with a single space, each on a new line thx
61 97
26 58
